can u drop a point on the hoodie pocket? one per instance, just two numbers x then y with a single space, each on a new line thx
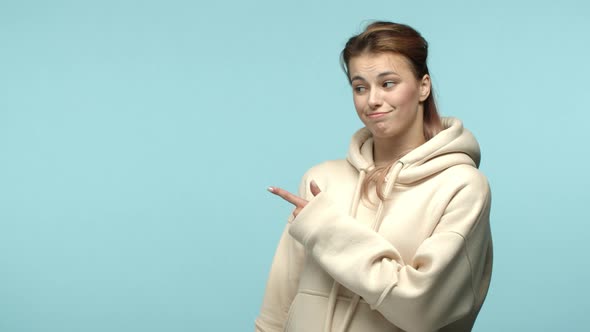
290 313
307 313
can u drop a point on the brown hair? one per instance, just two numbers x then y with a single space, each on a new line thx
387 37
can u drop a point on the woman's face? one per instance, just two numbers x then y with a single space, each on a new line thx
387 96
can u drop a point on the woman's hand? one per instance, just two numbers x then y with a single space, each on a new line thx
299 202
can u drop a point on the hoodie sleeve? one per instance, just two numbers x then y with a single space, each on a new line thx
283 281
441 283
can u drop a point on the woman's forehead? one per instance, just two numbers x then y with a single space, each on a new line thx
376 64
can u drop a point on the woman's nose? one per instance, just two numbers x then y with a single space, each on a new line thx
375 99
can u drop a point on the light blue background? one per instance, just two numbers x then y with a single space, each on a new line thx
137 139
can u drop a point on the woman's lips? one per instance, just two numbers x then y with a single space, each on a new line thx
376 115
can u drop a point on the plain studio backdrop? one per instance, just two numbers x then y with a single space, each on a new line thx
137 139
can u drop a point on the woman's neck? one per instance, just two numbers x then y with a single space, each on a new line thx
389 150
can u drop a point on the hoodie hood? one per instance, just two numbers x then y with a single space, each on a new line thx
454 145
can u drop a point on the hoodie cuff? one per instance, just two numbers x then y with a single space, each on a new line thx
313 216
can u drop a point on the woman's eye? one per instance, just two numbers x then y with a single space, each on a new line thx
359 89
388 84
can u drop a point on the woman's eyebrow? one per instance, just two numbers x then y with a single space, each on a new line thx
386 73
357 77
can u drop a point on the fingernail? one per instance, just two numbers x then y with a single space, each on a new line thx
271 189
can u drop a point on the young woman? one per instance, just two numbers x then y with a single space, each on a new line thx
397 236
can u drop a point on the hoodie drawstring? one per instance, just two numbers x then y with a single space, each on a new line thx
390 180
335 285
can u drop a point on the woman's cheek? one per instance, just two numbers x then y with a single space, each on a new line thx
406 96
358 107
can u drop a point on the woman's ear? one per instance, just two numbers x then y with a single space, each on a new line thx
425 85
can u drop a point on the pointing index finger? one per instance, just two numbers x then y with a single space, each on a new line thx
289 197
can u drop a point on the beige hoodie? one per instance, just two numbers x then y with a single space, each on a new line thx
419 261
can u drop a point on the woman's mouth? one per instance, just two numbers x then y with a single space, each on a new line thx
376 115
